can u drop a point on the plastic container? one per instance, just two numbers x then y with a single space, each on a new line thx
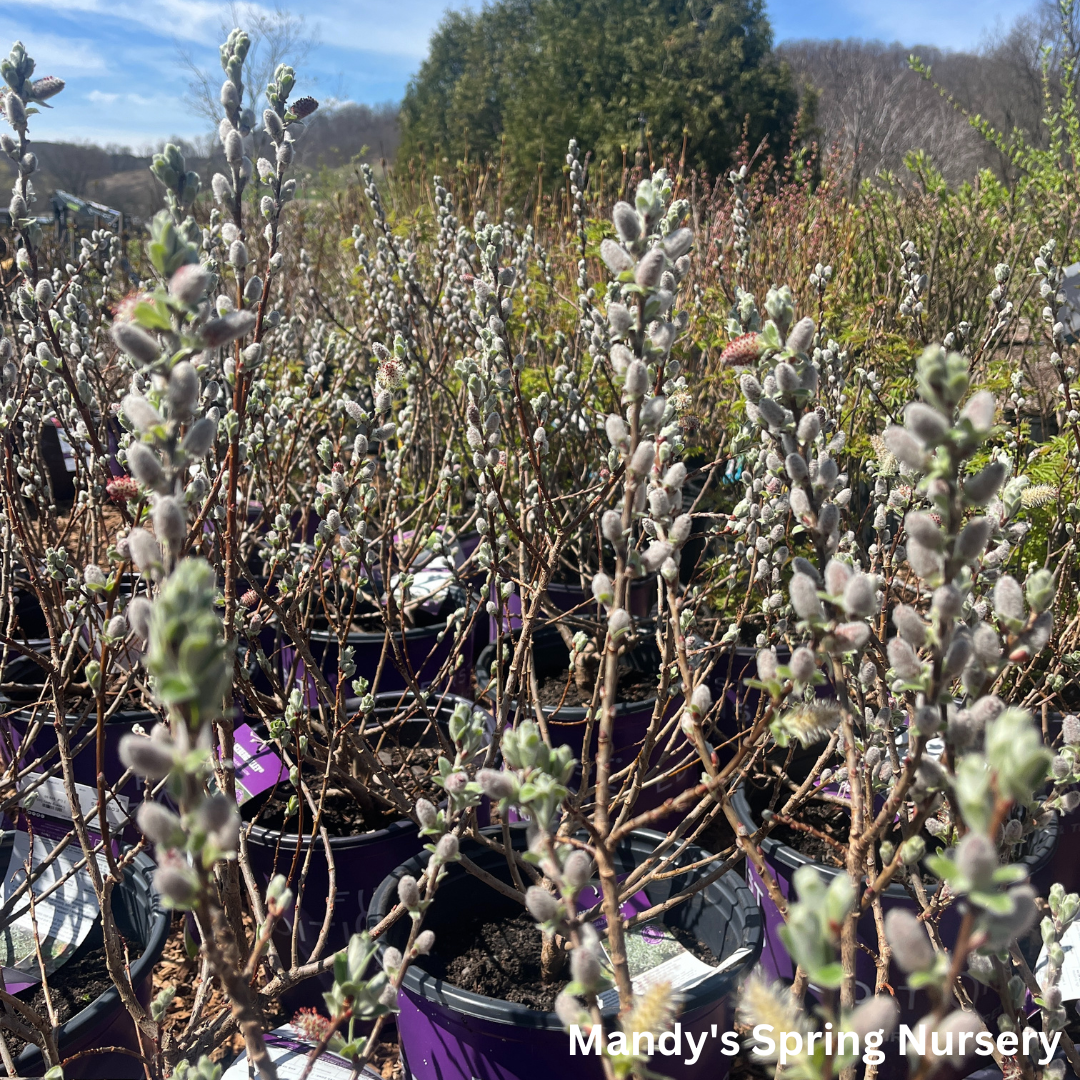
783 860
81 731
422 650
567 725
360 864
289 1051
567 596
105 1022
451 1034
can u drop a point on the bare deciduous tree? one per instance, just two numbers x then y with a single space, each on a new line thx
277 37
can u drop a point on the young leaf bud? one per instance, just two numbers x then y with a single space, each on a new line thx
170 521
602 589
160 825
577 870
803 664
802 335
189 284
804 597
183 389
680 530
446 850
617 431
859 598
409 892
911 946
152 758
199 438
138 615
541 905
905 447
1040 590
643 458
145 552
136 342
982 487
971 542
615 256
649 269
637 379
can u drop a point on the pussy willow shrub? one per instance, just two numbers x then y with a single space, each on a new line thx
291 424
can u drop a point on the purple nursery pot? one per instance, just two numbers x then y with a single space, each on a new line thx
360 864
783 860
739 702
42 752
451 1034
420 646
105 1022
1064 866
568 596
567 725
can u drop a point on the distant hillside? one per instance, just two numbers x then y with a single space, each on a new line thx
122 180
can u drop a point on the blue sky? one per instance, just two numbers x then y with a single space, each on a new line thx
127 87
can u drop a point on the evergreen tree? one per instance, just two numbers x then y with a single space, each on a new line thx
539 72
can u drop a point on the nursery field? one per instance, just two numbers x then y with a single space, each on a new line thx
459 627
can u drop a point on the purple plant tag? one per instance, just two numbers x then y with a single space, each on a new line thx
258 768
591 895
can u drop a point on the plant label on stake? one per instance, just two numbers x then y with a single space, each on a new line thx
289 1053
66 915
653 954
257 767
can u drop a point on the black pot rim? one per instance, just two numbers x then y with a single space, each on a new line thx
267 837
371 637
92 1016
23 712
572 715
498 1011
792 860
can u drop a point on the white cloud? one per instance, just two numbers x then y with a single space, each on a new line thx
188 20
99 97
53 54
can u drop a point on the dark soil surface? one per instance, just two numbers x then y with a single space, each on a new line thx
346 813
500 958
342 814
633 686
826 818
83 979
